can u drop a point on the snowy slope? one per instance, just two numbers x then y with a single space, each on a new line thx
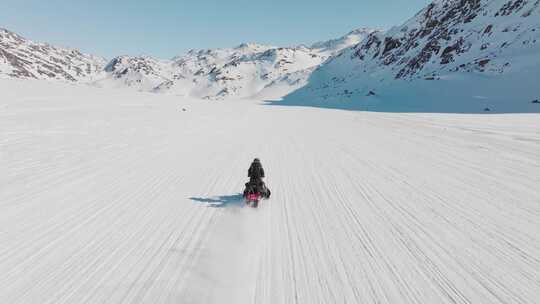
110 196
452 56
334 46
244 71
467 49
247 70
22 58
488 36
142 73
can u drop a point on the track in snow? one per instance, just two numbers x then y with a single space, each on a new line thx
113 197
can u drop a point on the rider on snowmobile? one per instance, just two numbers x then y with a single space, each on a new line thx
255 171
255 184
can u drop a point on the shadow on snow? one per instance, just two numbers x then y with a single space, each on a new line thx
221 200
460 93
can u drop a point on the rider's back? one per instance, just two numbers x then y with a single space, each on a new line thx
256 171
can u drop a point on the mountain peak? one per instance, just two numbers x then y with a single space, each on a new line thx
252 46
447 36
334 46
363 30
6 34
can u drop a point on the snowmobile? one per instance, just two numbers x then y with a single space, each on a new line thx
255 189
252 199
254 192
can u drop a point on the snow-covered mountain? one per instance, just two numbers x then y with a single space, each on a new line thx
477 43
142 72
489 36
480 52
22 58
244 71
334 46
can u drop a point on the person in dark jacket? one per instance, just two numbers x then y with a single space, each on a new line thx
256 171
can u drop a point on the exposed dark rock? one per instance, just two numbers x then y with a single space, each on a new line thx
416 63
448 53
390 44
488 29
371 42
483 62
511 7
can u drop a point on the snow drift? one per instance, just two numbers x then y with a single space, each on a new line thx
108 196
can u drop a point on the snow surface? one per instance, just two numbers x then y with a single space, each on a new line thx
111 196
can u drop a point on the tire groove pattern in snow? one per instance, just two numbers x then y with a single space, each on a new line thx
128 200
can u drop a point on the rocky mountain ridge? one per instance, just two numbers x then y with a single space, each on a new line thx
242 71
478 51
463 40
22 58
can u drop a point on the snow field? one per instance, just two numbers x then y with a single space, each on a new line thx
110 196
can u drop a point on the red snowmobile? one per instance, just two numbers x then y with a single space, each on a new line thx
252 199
254 192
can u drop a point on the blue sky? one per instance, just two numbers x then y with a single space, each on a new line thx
165 28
